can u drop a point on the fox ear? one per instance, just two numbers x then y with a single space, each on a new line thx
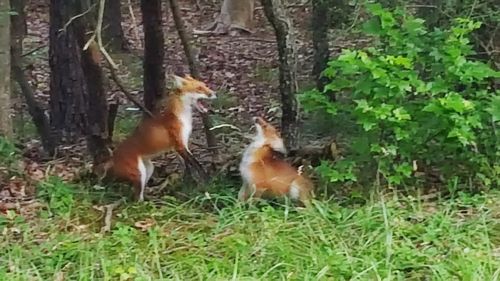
187 76
178 81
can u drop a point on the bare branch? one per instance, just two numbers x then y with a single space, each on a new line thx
134 24
73 18
112 65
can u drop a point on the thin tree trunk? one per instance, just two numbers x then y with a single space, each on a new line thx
35 109
154 71
18 28
277 15
320 22
37 113
5 101
98 138
193 67
112 30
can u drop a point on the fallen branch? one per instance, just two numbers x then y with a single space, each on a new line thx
109 213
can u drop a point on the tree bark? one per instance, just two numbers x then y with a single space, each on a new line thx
277 15
193 67
98 137
320 22
68 91
234 15
5 101
77 94
113 35
154 71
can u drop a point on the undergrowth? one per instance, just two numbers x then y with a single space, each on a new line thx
420 103
212 237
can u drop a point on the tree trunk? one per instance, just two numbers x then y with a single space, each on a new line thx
18 28
98 140
113 35
320 22
35 109
234 15
77 94
277 15
5 102
193 67
154 71
68 91
98 136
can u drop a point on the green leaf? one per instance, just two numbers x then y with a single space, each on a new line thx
404 169
363 105
401 114
415 26
456 103
372 26
494 108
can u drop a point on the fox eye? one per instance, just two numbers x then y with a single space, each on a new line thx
199 88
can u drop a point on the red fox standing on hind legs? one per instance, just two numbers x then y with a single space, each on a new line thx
167 130
266 174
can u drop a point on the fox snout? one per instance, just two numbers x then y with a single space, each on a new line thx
212 94
260 121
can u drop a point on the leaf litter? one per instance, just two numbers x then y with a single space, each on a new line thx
242 68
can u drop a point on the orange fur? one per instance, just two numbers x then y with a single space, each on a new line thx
266 174
167 130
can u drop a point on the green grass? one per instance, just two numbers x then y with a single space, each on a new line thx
212 237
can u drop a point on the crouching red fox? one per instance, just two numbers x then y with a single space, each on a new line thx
266 174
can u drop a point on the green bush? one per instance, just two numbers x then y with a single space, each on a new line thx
418 99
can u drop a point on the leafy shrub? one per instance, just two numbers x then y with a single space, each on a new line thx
418 99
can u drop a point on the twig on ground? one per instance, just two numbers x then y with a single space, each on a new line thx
109 213
33 51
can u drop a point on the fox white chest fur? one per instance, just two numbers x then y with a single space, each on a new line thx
186 118
248 158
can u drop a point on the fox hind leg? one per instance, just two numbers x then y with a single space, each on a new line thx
150 168
243 193
300 192
143 173
247 191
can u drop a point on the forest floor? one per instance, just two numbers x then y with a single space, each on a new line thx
241 68
52 229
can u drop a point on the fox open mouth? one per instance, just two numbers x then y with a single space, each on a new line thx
200 106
